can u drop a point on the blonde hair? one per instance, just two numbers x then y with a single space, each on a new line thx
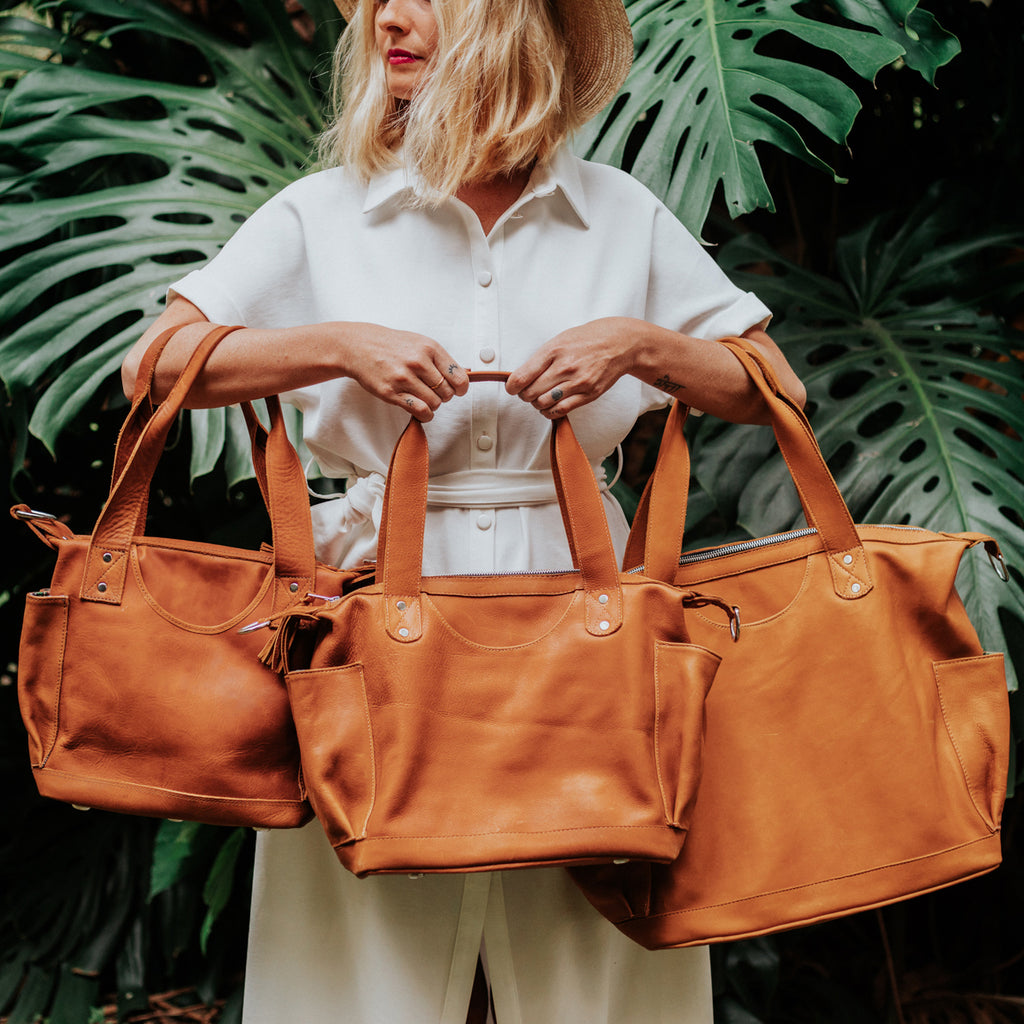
498 94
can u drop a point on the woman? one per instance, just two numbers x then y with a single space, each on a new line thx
453 229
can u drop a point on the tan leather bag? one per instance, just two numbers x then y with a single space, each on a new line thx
857 735
462 723
138 693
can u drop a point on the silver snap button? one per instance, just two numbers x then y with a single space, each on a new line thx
401 606
403 632
107 557
101 587
605 624
847 559
856 588
603 599
293 587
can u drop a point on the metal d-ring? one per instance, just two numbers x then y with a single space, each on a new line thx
999 564
26 514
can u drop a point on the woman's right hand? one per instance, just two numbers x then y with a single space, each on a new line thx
402 368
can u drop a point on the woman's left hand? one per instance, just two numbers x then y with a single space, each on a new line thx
576 366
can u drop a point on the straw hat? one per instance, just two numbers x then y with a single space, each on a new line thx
599 42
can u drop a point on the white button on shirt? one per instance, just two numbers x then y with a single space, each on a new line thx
598 244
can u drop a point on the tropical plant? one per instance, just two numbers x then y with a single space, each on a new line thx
914 392
132 180
133 140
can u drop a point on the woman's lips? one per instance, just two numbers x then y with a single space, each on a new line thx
401 57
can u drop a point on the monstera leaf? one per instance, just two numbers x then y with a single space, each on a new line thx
916 397
706 86
112 186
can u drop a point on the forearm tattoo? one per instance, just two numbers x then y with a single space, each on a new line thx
666 384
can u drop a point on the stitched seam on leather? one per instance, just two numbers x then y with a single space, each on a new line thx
759 622
513 647
949 731
462 718
134 786
820 881
657 730
96 595
246 613
373 755
504 832
55 727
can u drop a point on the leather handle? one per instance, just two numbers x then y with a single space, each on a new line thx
403 520
657 524
140 447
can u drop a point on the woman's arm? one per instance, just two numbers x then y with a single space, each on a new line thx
582 363
408 370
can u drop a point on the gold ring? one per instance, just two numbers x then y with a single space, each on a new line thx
438 384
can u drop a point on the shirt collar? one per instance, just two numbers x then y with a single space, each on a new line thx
560 173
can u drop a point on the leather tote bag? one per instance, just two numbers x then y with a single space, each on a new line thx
857 735
463 723
137 691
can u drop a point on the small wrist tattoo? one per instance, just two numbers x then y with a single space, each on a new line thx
668 385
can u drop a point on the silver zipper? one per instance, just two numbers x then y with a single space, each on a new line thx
696 557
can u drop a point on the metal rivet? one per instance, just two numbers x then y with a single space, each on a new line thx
605 624
401 606
101 587
621 860
81 807
847 559
107 557
603 599
403 632
856 588
293 587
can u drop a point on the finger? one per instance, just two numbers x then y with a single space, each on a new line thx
532 379
417 407
552 397
454 376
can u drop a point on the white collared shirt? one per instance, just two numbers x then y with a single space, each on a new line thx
583 241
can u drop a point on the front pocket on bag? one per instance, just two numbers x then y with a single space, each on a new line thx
332 721
975 709
40 670
683 674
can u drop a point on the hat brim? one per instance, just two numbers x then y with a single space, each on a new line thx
600 45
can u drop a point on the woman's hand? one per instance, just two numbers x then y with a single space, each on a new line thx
576 366
402 368
582 363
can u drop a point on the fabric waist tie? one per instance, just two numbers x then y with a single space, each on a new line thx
496 488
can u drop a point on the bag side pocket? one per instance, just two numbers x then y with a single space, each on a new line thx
40 671
975 709
332 721
683 674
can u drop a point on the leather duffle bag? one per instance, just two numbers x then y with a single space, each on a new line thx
465 723
138 693
857 735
